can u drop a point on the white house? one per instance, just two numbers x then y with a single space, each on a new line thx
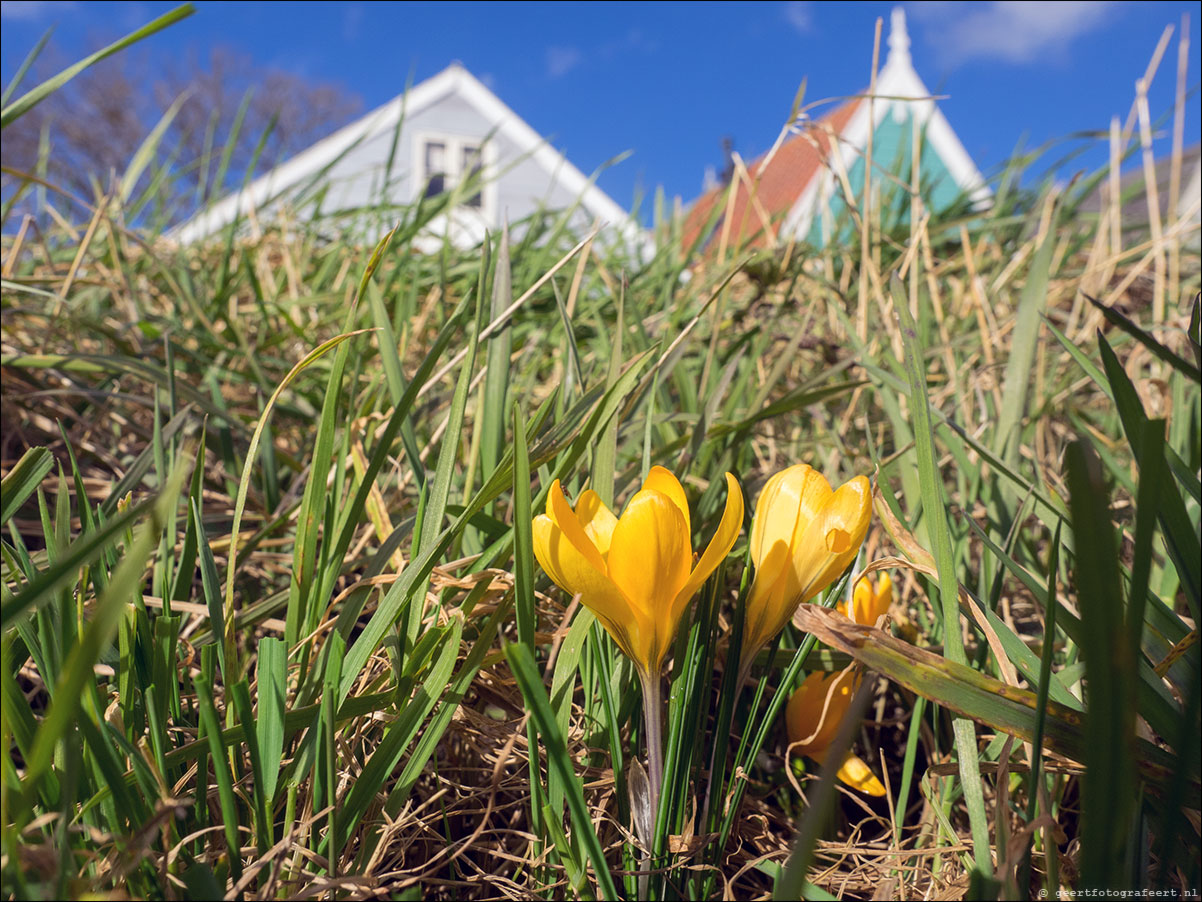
798 186
420 144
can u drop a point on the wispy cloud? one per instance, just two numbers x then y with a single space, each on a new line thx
800 16
562 60
1020 31
33 10
634 41
352 19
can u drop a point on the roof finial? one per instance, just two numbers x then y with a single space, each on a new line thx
899 40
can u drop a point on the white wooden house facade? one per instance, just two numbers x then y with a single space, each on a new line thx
421 143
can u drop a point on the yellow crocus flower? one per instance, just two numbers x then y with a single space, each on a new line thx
804 535
869 601
636 572
814 715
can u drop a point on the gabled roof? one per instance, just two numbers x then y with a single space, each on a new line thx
780 180
1133 188
455 79
792 182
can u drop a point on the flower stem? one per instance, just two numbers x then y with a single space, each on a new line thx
653 716
654 719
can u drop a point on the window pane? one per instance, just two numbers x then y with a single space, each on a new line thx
471 170
436 167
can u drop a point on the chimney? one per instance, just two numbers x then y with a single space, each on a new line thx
728 161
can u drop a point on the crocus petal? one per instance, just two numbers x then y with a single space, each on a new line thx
577 572
542 530
666 483
791 502
882 597
649 562
858 775
596 520
787 504
631 571
719 546
869 601
814 494
650 555
764 606
832 539
816 710
565 519
861 596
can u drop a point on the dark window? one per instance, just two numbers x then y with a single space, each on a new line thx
471 171
436 168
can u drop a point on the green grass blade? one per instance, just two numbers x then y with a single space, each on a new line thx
523 541
521 662
1107 788
272 693
606 453
78 668
971 693
28 100
1168 355
225 780
23 69
262 805
1180 533
210 584
1017 377
931 483
82 552
822 800
146 151
500 347
22 480
252 455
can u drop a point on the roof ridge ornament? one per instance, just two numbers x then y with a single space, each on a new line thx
899 38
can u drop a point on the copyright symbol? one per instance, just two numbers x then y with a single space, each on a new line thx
1043 894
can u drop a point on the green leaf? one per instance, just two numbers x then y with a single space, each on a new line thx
81 553
500 347
221 766
27 101
1180 535
78 669
1017 377
1168 355
273 692
971 693
521 662
22 480
935 510
1108 792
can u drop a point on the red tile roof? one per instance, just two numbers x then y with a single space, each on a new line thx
778 186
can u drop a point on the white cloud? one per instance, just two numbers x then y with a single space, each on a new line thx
33 10
1020 31
634 41
352 20
562 60
800 15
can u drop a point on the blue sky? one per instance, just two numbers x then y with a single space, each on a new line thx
669 80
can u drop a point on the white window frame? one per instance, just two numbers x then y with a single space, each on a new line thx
455 146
